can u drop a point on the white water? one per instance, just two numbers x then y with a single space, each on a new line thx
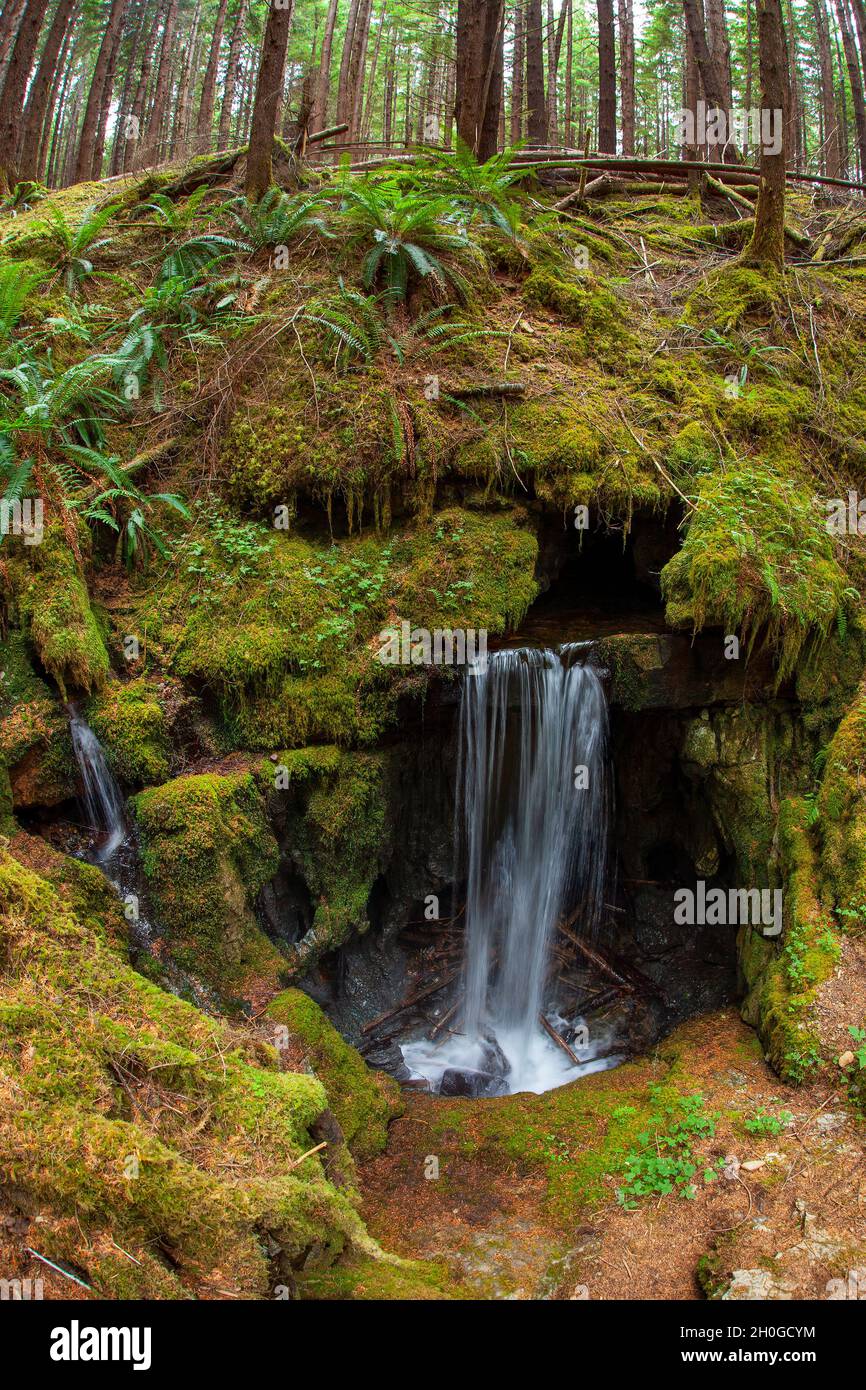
103 803
532 843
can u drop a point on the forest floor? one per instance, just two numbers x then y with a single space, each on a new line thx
784 1218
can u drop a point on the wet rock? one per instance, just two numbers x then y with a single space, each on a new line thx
465 1081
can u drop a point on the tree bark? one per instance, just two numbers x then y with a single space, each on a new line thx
766 248
626 77
319 112
517 58
204 123
149 148
714 81
9 22
267 100
37 111
101 72
855 80
479 49
15 87
606 78
536 113
233 70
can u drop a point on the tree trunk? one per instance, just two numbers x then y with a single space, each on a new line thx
536 123
569 78
479 49
626 76
606 78
766 248
855 81
15 87
517 58
233 70
149 148
105 101
37 111
104 68
267 100
319 113
204 123
714 80
9 22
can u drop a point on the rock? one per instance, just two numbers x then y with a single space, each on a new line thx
757 1284
834 1119
753 1165
465 1081
846 1059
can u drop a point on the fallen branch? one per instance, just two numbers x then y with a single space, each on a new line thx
552 1033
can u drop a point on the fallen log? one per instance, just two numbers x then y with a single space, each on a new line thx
413 999
552 1033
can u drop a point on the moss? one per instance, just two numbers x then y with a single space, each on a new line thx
757 559
35 746
731 295
285 630
86 1130
337 830
365 1279
130 724
51 603
362 1100
842 816
807 956
589 304
206 852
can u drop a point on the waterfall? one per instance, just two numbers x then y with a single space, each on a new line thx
103 802
530 840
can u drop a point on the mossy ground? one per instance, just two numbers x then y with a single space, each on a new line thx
131 1113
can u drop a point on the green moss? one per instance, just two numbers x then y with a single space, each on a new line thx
366 1279
206 852
35 746
286 631
362 1100
727 297
808 955
589 304
51 604
757 559
130 724
338 832
90 1056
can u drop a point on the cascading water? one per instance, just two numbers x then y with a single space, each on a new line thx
531 832
103 802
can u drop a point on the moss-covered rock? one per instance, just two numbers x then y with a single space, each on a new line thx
130 724
51 604
362 1100
206 852
808 954
90 1055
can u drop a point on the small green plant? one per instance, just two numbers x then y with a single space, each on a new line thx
859 1037
762 1122
665 1159
410 237
76 244
478 190
278 219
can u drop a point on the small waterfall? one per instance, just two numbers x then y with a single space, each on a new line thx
531 835
103 802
